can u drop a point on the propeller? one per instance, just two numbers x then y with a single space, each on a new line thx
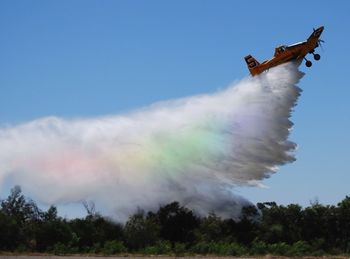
319 43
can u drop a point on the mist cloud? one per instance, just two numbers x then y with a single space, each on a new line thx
194 150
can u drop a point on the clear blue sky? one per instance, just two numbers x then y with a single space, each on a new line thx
87 58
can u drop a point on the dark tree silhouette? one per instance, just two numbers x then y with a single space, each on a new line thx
177 223
141 231
267 228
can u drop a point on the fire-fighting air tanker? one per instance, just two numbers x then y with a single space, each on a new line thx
284 53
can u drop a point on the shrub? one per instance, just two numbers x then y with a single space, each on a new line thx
236 249
21 248
299 248
113 247
95 249
219 248
259 248
160 248
200 248
179 249
60 249
279 248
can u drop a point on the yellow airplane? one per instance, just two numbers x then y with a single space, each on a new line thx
284 53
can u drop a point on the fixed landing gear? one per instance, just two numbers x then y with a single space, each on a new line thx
316 56
308 63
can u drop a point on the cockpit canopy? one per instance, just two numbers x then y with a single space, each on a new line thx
280 49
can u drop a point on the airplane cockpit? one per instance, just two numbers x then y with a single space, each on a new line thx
280 49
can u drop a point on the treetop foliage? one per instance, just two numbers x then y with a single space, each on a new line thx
267 228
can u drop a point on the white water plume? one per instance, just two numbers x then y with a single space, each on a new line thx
193 150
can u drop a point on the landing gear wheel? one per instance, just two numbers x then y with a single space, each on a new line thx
317 56
308 63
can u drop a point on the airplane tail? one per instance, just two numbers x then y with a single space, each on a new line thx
252 64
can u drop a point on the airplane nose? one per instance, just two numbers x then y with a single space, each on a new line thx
321 28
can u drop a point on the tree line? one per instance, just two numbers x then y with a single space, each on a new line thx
266 228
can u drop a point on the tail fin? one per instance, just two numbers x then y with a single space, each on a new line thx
251 62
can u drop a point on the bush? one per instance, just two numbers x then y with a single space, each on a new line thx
236 249
160 248
200 248
279 248
113 247
21 248
179 249
95 249
259 248
60 249
299 248
219 248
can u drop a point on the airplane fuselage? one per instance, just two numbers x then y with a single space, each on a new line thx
283 54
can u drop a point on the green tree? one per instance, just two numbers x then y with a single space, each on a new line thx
20 209
177 223
95 231
244 229
280 223
141 231
52 230
22 215
319 226
10 233
343 226
210 229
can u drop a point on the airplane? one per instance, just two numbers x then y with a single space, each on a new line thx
284 53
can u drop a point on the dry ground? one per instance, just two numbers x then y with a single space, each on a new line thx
158 257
